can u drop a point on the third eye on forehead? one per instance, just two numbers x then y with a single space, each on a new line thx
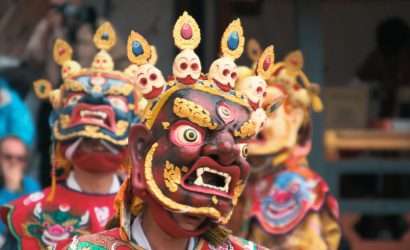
221 111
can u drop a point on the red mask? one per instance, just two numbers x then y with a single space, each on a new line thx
188 166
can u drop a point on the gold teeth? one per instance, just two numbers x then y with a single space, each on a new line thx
184 108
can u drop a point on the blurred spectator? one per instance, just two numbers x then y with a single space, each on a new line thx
69 20
15 118
40 44
388 65
13 163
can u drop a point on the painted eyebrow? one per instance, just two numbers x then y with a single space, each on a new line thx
184 108
246 130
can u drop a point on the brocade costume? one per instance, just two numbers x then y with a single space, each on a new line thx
287 204
92 113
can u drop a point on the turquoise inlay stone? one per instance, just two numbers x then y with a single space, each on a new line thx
105 36
233 40
137 48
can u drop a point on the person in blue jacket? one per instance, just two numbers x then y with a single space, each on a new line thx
15 117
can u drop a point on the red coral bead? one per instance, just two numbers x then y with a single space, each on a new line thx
186 31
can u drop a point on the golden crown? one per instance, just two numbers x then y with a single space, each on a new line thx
102 65
220 80
290 74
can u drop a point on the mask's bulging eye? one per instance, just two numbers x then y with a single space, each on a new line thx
225 113
190 135
186 135
243 147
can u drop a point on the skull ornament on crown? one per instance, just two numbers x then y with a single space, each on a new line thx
283 130
252 84
93 104
187 66
148 78
189 152
223 72
62 52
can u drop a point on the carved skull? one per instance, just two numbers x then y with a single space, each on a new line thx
254 88
223 72
102 62
149 80
187 67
